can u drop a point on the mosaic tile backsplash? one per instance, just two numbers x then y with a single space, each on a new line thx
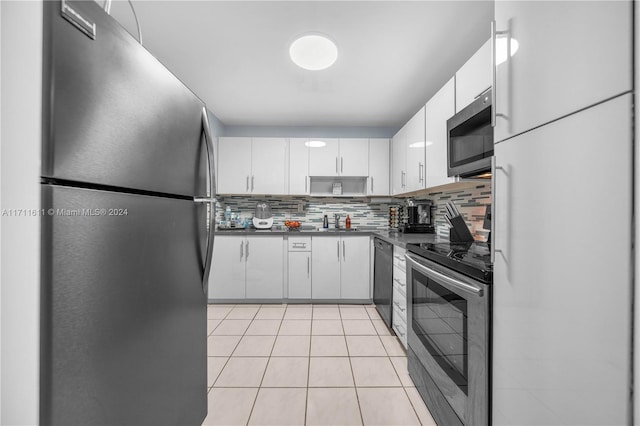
363 215
470 201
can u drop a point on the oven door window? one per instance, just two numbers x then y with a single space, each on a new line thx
440 322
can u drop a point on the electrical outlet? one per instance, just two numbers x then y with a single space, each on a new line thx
300 208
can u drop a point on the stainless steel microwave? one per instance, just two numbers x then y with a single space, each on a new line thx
470 139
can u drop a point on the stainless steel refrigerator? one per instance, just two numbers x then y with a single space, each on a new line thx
127 176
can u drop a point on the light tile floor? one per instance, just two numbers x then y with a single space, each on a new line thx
307 365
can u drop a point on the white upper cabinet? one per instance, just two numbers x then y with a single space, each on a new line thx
298 166
438 110
570 55
325 160
378 167
398 162
415 143
408 155
252 165
268 166
353 152
234 165
474 77
339 157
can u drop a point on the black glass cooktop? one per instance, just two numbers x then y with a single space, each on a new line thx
471 259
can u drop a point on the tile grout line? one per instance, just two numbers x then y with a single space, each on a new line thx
253 406
229 357
353 376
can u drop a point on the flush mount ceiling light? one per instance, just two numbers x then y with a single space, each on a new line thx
313 52
315 144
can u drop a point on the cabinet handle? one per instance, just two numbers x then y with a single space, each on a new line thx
241 249
305 184
338 243
420 168
247 250
494 188
494 35
493 73
247 183
308 266
371 177
336 164
341 164
252 179
344 256
400 283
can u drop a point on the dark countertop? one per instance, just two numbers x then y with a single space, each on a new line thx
396 238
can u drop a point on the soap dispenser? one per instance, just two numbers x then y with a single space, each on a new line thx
325 222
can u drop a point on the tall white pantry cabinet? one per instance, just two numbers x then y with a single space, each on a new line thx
563 166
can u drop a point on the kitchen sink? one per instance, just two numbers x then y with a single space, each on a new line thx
336 230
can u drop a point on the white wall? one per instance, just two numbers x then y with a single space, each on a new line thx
20 139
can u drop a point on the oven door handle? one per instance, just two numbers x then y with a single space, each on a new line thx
449 280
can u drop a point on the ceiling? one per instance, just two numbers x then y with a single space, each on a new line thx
393 55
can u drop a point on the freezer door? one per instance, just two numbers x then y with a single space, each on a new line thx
123 309
114 115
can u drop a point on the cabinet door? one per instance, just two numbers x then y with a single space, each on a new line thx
298 167
561 284
264 267
399 161
378 167
474 77
234 165
325 268
354 269
438 110
227 279
300 275
353 152
325 160
571 55
415 142
268 166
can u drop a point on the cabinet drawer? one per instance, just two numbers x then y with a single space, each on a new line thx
400 327
299 243
400 303
399 278
398 258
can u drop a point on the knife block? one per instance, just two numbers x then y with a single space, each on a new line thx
459 232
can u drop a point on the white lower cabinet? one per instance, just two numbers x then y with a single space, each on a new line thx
399 298
299 268
340 268
325 268
227 279
246 267
354 268
264 257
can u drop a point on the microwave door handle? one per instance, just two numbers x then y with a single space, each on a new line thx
449 280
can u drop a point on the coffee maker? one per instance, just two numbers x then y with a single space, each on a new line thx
418 218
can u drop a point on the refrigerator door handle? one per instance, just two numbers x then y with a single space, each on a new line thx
209 199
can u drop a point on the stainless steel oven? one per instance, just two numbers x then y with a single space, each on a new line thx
448 320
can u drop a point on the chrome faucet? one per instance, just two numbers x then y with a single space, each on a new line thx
337 217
